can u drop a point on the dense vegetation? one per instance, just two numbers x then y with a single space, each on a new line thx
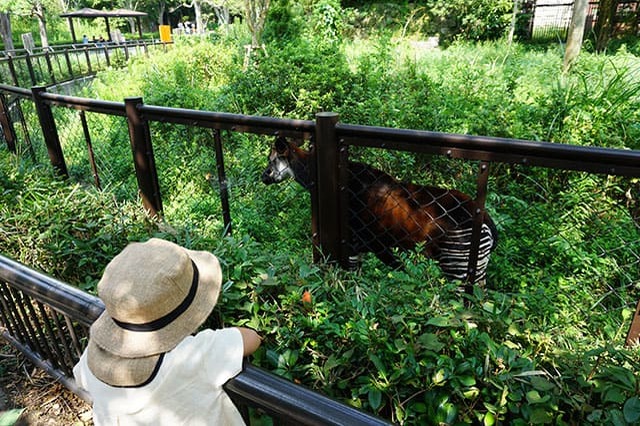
543 343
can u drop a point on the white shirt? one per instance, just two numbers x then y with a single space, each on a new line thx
187 389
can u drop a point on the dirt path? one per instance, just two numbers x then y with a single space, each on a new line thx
43 401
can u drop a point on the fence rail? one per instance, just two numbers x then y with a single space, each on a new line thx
49 322
65 63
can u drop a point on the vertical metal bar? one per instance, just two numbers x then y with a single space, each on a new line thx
126 51
37 326
9 303
106 55
61 336
478 220
12 70
344 196
144 161
92 159
50 67
32 73
313 172
23 317
72 334
222 181
327 188
49 131
7 316
25 130
633 336
51 338
88 58
68 61
7 126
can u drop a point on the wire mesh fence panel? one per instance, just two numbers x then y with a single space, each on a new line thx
568 238
405 202
30 141
197 186
97 150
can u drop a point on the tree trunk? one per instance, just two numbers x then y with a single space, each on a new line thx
514 19
576 33
162 5
42 24
604 25
198 12
5 30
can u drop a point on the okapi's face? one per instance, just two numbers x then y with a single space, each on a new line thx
279 167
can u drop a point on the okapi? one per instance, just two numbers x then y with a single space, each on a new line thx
385 213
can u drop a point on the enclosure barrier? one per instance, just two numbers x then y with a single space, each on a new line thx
59 64
49 322
329 149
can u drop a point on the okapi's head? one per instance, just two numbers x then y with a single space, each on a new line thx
286 160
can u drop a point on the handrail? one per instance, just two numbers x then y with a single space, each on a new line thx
254 386
583 158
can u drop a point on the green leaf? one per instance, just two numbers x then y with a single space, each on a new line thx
622 376
631 410
467 380
533 397
541 384
614 394
540 416
10 417
431 342
375 398
377 362
489 419
439 377
439 322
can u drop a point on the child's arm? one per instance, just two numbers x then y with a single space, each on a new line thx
250 339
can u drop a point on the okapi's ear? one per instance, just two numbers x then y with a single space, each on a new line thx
281 145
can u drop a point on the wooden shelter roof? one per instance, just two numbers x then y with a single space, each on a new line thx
87 12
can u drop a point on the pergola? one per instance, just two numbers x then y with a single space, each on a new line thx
106 14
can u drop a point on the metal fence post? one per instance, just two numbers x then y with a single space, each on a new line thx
7 126
478 220
32 73
86 55
68 61
327 215
50 67
49 131
12 70
143 159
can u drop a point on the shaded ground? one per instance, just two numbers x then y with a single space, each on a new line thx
43 401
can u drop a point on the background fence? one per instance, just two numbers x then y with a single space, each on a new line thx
550 19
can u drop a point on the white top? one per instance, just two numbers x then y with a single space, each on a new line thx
187 389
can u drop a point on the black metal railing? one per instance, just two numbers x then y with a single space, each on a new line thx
48 321
55 65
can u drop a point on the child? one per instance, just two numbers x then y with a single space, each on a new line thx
142 365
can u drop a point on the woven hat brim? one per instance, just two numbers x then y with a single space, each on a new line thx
135 344
120 372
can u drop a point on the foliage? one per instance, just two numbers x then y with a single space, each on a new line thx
541 344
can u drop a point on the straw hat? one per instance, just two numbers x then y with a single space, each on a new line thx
155 294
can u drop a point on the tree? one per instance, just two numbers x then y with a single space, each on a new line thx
576 33
256 15
604 25
32 8
5 30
